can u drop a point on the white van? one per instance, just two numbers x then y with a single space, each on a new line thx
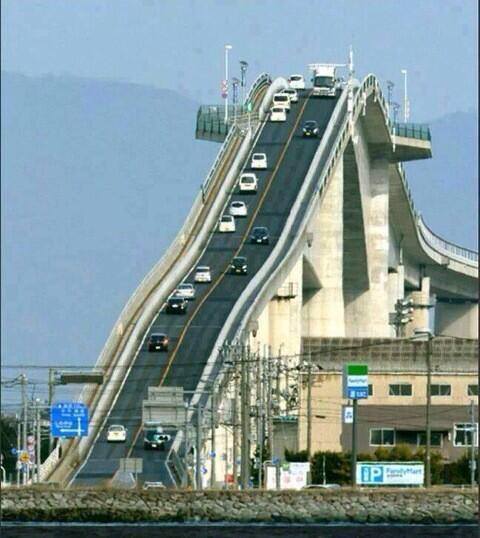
248 183
278 113
282 99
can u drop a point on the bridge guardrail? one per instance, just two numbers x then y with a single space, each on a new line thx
261 81
419 131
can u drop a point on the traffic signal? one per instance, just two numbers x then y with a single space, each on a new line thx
403 311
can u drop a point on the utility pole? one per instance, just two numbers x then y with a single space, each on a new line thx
185 447
19 442
309 406
269 404
245 400
213 453
354 443
235 415
198 470
23 381
472 443
259 419
38 451
428 478
51 383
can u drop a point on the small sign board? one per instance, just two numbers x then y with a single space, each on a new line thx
69 419
355 381
24 456
390 474
131 465
348 414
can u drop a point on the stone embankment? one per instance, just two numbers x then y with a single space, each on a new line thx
314 506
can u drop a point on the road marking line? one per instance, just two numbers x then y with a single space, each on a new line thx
245 235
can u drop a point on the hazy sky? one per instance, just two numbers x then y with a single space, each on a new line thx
178 44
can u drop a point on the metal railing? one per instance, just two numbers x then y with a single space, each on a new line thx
420 131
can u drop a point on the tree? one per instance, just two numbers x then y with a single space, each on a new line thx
8 440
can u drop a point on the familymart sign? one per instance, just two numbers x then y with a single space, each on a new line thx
355 381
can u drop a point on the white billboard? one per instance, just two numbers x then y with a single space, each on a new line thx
390 474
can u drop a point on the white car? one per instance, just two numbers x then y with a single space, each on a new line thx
278 113
203 274
259 161
226 224
293 94
185 290
238 209
248 183
116 434
297 82
282 99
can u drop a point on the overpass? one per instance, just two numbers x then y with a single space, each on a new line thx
346 244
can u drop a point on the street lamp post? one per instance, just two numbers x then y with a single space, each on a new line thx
424 335
235 83
227 48
243 70
406 106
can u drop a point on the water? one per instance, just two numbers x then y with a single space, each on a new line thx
221 530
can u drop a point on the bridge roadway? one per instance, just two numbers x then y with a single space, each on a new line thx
193 336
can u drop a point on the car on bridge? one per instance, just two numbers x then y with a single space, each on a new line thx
116 433
185 290
310 128
259 161
157 342
278 113
226 224
239 266
203 274
154 437
248 183
296 82
282 100
292 94
260 235
238 209
176 305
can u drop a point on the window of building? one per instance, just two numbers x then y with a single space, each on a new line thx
382 436
462 434
440 390
400 389
472 390
408 437
370 389
436 438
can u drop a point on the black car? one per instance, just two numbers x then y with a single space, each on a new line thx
158 342
239 266
310 128
154 438
176 305
260 235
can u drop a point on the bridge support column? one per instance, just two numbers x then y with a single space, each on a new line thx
421 312
323 310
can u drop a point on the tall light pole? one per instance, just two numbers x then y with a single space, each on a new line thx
424 335
243 70
227 48
235 83
406 105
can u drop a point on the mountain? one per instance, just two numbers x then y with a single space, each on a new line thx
97 178
445 188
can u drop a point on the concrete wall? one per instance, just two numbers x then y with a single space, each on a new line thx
456 319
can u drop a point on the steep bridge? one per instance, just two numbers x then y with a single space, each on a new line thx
346 243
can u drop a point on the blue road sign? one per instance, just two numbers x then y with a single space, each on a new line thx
357 393
13 451
69 419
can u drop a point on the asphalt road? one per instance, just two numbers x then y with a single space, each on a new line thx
193 335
